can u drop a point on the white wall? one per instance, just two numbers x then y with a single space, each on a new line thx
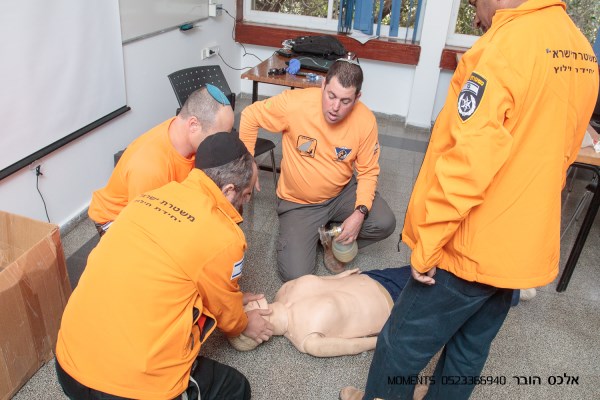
386 87
73 172
426 82
442 92
415 93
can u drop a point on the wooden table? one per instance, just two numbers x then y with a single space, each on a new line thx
590 160
588 155
260 74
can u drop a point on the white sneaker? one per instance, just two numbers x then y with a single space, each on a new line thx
527 294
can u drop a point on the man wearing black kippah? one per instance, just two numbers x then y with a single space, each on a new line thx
160 281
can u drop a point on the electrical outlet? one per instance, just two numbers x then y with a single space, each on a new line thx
209 52
215 9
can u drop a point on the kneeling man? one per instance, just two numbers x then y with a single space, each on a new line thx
158 283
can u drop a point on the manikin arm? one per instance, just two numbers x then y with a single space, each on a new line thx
317 345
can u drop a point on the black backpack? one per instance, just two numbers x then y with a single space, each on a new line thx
327 47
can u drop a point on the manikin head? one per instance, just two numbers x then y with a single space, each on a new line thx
341 89
278 318
206 112
224 158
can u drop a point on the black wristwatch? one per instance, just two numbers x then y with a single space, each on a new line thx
363 209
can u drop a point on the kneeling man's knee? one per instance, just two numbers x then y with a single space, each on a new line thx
287 272
388 225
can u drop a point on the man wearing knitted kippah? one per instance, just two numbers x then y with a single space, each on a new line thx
159 282
163 154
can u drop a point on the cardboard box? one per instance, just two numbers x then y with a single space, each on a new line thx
34 289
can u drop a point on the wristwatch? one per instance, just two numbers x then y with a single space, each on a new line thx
363 209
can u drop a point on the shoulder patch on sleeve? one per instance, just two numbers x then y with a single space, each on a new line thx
470 96
237 269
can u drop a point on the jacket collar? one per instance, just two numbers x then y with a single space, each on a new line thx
507 14
198 179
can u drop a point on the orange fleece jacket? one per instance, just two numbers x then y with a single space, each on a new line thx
486 204
128 327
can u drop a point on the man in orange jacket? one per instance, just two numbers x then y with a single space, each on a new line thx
484 215
158 283
163 154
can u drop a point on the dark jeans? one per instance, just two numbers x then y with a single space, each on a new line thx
516 296
392 279
460 315
216 381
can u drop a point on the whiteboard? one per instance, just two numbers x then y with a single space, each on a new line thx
143 18
61 75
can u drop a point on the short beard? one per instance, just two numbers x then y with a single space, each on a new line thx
238 205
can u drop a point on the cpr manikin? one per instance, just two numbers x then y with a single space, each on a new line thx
327 316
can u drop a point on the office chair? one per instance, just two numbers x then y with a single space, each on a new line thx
187 80
117 156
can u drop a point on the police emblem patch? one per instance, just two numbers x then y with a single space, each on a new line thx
341 153
307 146
470 96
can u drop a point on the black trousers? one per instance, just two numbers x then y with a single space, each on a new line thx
215 381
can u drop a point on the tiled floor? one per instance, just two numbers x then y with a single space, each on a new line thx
555 334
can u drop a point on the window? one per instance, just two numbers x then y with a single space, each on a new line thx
461 31
323 14
464 20
314 8
316 14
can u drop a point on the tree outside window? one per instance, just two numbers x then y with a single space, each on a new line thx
585 14
323 8
309 8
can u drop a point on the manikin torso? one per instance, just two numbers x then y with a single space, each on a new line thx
345 306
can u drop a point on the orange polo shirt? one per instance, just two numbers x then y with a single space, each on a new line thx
319 158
